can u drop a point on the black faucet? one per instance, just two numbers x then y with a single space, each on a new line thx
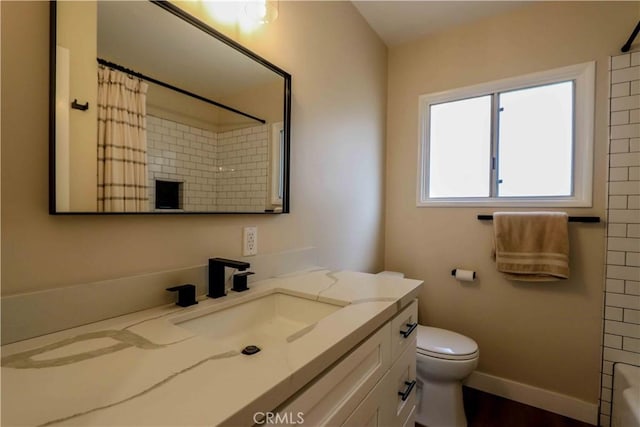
216 276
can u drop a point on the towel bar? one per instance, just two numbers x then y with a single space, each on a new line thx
571 218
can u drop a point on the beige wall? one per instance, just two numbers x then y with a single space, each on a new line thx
78 24
546 335
263 101
339 98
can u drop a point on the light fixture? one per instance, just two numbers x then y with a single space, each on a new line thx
249 15
262 11
225 12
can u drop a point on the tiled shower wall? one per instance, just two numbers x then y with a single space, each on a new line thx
622 291
224 171
176 152
242 176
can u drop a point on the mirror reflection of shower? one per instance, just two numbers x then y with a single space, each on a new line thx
205 139
220 171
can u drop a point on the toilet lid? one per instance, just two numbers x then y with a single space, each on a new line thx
445 344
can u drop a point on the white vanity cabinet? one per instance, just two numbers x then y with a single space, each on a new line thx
373 385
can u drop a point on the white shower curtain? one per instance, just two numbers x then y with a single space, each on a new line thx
122 142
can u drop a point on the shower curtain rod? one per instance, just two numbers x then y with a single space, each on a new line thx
632 37
177 89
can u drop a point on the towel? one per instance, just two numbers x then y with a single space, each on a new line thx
532 246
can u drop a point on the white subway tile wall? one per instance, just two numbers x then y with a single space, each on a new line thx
220 172
242 164
621 339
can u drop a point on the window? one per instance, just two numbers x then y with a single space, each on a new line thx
525 141
277 164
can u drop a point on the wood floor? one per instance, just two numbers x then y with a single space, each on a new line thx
487 410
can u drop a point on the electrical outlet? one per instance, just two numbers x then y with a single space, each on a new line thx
250 241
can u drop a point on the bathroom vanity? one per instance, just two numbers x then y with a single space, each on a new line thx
336 348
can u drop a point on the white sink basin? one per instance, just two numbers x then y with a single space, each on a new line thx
272 318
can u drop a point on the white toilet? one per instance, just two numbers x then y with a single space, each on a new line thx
444 359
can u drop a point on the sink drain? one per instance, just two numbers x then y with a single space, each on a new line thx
250 349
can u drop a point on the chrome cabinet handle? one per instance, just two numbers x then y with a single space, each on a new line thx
411 326
405 394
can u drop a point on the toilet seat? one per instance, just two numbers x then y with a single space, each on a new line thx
444 344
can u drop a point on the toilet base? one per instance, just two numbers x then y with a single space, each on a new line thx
440 404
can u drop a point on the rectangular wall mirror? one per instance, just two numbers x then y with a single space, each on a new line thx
155 112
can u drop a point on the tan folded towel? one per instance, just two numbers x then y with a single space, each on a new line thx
532 246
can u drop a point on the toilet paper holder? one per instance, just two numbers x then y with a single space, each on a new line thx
455 270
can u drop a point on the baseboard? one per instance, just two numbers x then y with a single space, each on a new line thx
533 396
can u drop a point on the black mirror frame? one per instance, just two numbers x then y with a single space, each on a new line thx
179 13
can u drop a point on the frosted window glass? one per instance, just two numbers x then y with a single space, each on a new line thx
535 141
522 141
460 148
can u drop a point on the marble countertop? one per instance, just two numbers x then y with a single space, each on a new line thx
143 369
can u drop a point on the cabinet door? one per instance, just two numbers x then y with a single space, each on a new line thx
399 385
404 330
384 406
411 419
370 411
337 393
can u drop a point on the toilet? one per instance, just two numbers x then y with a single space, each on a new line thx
444 359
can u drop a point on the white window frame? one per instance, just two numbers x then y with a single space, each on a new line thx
583 76
276 159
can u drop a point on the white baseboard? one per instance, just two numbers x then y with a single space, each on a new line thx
533 396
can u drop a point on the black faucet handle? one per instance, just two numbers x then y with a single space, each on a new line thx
240 281
186 294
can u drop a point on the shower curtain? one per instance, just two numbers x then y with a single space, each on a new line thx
122 142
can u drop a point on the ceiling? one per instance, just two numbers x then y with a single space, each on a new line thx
398 22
